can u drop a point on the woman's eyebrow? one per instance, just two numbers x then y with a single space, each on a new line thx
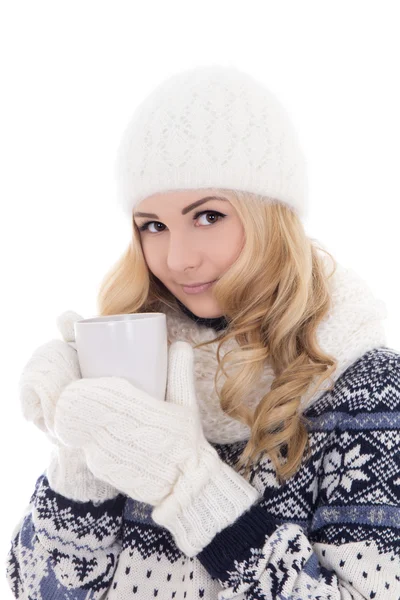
184 210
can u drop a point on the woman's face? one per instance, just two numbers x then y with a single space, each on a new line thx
182 247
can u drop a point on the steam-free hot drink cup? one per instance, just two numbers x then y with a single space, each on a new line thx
133 346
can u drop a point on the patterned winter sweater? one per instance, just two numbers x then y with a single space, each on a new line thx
332 531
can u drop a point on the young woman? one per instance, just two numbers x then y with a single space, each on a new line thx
284 481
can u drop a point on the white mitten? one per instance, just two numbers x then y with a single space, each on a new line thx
52 367
155 451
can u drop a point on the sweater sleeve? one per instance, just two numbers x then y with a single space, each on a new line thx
350 548
64 548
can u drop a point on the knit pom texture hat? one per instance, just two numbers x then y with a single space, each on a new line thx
211 127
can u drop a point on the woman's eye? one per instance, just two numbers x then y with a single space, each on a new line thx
219 216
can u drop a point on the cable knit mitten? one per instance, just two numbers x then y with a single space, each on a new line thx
155 451
49 370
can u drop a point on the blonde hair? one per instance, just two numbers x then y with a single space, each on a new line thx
273 296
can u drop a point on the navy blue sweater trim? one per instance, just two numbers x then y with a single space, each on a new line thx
232 543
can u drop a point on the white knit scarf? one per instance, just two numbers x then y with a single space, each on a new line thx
353 326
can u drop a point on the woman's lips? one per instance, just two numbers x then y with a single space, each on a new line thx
198 289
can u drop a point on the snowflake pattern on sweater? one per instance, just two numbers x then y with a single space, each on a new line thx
332 531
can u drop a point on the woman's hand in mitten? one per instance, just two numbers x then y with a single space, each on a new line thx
155 451
50 369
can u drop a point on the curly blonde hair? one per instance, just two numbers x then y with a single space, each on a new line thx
273 296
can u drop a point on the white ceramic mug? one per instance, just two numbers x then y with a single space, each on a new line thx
133 346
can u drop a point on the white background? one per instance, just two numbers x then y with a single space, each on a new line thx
72 74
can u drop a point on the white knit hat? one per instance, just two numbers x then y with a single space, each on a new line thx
211 127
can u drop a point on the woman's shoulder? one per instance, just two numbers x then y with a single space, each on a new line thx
371 384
